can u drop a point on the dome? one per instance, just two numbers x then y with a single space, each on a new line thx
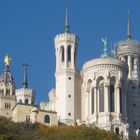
6 76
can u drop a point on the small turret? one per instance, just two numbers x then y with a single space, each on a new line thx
25 95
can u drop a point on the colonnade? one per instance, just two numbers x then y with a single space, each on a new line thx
92 101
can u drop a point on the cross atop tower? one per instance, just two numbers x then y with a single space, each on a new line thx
25 82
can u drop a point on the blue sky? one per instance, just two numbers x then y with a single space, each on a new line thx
28 27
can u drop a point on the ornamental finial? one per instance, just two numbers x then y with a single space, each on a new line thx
7 60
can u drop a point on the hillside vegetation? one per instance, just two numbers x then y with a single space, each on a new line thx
25 131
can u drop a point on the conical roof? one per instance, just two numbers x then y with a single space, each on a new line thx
6 76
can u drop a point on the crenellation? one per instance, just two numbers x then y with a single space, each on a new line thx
66 37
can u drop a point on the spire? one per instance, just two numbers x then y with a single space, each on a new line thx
128 27
66 21
25 82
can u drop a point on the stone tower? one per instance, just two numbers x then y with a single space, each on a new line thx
129 52
25 94
67 78
7 90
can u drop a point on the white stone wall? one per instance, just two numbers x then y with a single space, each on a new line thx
25 93
21 111
106 68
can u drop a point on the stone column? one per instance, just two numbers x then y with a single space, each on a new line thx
117 98
11 90
86 103
130 66
106 97
89 102
4 90
95 100
72 57
65 56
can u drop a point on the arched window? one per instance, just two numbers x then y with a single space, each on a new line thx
62 54
47 119
126 59
26 101
9 105
5 105
117 130
101 94
112 89
69 53
92 101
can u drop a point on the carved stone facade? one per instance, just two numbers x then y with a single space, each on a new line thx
104 93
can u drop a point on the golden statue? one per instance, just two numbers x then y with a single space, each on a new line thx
7 60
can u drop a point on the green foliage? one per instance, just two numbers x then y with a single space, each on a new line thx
22 131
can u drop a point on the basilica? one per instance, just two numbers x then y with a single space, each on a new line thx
105 93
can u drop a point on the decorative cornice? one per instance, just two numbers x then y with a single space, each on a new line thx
104 63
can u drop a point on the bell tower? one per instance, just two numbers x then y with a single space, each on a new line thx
129 51
67 77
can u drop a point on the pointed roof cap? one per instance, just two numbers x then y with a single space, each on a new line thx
66 21
128 27
6 76
25 82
